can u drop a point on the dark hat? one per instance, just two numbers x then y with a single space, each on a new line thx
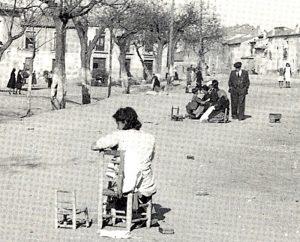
238 64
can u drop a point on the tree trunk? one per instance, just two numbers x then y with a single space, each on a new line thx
4 47
29 89
123 73
58 92
142 61
85 69
158 57
110 62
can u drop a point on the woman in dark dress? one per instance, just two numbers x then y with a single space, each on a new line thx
12 81
19 81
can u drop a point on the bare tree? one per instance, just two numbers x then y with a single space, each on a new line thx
82 25
35 48
206 33
124 24
62 12
158 27
17 17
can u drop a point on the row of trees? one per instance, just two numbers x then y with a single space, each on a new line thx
137 23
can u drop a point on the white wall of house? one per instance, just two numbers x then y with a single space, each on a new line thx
17 53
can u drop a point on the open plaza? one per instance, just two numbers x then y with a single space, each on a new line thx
241 185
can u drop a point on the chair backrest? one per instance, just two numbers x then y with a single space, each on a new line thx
116 158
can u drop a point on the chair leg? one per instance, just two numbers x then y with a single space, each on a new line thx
87 219
101 209
74 211
56 210
129 212
149 214
113 214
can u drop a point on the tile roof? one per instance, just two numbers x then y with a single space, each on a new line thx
280 31
238 39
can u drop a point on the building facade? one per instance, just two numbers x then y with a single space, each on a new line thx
261 52
19 54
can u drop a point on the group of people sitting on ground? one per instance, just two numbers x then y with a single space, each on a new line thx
212 107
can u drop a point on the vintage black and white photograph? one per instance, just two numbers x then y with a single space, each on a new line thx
150 120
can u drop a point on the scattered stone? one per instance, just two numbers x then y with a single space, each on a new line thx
164 228
202 193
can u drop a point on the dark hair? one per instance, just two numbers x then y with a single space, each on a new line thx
205 88
215 84
195 90
128 116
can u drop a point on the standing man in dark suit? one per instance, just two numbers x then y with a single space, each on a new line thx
238 88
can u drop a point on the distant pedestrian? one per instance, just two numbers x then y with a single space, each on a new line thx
188 76
50 79
238 89
176 77
155 83
19 83
12 81
33 78
193 74
199 78
287 73
206 70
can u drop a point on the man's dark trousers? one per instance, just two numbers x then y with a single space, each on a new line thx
238 105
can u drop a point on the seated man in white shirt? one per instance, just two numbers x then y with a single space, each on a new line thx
139 151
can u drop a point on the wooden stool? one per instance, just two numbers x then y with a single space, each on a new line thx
112 191
176 116
274 117
66 211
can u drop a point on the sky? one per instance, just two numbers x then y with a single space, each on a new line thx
266 13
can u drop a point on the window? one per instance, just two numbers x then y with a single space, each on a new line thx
149 65
28 64
99 63
101 43
127 67
29 39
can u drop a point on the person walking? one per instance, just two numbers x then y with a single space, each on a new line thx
19 81
33 78
287 73
50 79
238 88
12 81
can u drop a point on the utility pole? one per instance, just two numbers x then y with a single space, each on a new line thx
170 59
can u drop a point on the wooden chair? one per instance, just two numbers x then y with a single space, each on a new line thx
176 116
110 190
67 215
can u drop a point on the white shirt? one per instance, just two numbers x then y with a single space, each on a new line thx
239 73
139 151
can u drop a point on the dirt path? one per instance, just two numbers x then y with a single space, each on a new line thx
243 184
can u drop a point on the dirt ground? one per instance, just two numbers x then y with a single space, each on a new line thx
243 184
